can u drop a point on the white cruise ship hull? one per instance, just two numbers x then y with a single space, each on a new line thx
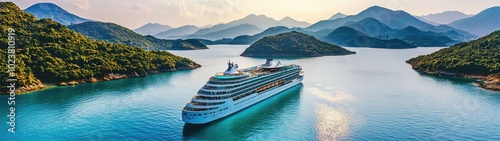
230 106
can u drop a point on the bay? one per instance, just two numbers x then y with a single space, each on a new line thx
372 95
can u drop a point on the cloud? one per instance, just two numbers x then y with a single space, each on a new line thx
81 4
140 8
206 8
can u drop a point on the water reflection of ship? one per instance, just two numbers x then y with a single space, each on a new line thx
266 111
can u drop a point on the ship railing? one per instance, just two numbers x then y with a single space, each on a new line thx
205 104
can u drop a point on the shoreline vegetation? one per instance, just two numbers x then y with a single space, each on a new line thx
478 59
112 76
48 54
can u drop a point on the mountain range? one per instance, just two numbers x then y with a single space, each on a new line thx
394 19
445 17
480 24
152 29
260 21
54 12
243 29
369 21
114 33
369 30
177 33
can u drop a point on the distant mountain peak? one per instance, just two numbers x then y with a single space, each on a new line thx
337 16
480 24
290 22
152 29
376 7
255 16
54 12
287 18
445 17
47 6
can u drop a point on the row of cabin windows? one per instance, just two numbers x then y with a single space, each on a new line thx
219 88
206 113
200 109
219 111
208 104
244 100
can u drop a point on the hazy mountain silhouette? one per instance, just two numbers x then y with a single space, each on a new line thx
482 23
394 19
445 17
370 27
177 33
260 21
290 22
337 15
114 33
243 29
152 29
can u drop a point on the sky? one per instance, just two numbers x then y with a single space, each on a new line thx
133 13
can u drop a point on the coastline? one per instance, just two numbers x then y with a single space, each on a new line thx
489 82
112 76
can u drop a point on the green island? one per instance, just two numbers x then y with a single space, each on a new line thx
479 59
114 33
293 44
49 53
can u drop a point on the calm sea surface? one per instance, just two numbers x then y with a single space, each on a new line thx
372 95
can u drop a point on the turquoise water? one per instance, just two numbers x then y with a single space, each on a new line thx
372 95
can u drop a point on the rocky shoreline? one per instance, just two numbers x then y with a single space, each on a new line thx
489 82
112 76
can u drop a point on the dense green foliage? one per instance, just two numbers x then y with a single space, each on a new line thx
220 41
392 44
346 36
52 53
293 44
114 33
478 57
428 41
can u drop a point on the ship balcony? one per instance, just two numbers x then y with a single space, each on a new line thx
212 103
221 75
190 105
193 109
202 99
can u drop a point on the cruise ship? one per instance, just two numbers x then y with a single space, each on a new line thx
235 89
